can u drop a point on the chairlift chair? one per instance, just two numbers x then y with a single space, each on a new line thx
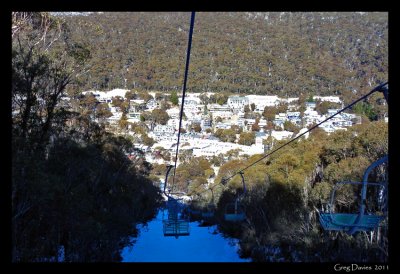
208 212
361 220
234 212
176 224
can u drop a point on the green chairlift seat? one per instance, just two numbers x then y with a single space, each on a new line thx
360 221
234 212
195 212
207 214
176 227
346 221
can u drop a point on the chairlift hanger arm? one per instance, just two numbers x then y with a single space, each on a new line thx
364 187
385 90
169 167
244 185
372 166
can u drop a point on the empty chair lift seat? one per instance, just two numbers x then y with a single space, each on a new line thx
233 214
195 212
207 214
345 221
176 227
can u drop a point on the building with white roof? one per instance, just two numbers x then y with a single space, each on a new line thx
115 118
312 116
333 99
262 101
133 117
237 102
281 135
151 104
164 129
173 112
106 96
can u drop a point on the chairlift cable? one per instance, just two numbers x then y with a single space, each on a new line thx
183 92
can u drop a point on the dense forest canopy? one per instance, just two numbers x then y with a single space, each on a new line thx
283 53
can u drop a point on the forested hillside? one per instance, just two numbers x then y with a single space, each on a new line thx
76 197
281 53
